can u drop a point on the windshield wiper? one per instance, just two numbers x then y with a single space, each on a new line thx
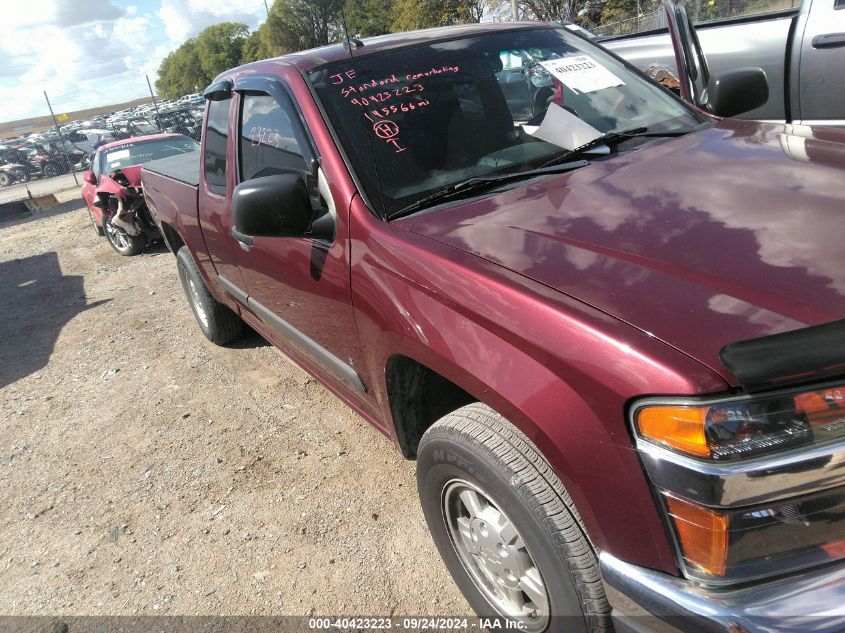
610 139
477 184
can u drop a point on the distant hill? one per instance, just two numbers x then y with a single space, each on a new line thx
39 123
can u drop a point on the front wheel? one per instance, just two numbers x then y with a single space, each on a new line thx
506 527
50 170
219 324
123 243
6 179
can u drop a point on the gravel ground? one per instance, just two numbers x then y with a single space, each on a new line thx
145 471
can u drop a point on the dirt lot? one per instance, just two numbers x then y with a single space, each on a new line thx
145 471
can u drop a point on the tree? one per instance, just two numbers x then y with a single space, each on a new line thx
615 10
295 25
590 16
193 65
554 10
365 18
480 8
423 14
180 72
252 48
220 46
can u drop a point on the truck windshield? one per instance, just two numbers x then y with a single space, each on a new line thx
418 119
140 152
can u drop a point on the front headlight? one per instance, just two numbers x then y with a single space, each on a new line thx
741 428
752 485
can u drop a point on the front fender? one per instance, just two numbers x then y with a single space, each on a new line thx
560 371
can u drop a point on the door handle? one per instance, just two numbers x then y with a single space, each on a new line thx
829 40
244 241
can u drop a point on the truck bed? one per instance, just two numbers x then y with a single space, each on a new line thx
171 187
182 167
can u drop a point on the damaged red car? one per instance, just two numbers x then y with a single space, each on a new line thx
112 189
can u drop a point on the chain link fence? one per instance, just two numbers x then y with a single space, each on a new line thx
51 159
653 17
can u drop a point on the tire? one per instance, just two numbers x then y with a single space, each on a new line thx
50 170
219 324
479 476
5 179
121 242
97 227
22 175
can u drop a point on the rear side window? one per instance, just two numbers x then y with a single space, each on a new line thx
214 157
268 142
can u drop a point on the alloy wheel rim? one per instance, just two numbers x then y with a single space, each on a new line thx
495 555
202 315
116 236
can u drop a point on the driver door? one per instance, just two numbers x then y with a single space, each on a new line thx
297 286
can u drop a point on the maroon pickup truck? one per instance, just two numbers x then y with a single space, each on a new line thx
606 325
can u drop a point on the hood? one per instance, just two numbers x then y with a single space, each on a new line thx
730 233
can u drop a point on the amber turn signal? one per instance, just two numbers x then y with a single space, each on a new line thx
702 534
679 427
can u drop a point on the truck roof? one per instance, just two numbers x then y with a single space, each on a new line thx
315 57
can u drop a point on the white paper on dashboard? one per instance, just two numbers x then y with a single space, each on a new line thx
582 73
562 128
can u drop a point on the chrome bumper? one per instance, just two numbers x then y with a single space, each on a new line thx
648 601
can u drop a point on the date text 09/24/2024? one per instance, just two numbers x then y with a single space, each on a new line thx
415 624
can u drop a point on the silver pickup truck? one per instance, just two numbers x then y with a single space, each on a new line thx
802 52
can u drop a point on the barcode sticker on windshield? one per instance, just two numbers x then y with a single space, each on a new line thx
582 73
121 153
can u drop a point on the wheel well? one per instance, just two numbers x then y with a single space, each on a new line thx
418 398
171 238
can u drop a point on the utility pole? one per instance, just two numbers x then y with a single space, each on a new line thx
266 8
155 104
61 137
514 13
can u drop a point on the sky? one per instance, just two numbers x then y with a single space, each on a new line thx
87 53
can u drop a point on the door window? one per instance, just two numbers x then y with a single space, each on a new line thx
216 135
268 142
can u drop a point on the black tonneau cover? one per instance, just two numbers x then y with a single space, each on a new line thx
182 167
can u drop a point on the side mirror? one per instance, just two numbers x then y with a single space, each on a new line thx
89 177
272 206
736 91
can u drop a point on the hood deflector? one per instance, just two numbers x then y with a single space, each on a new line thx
808 353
